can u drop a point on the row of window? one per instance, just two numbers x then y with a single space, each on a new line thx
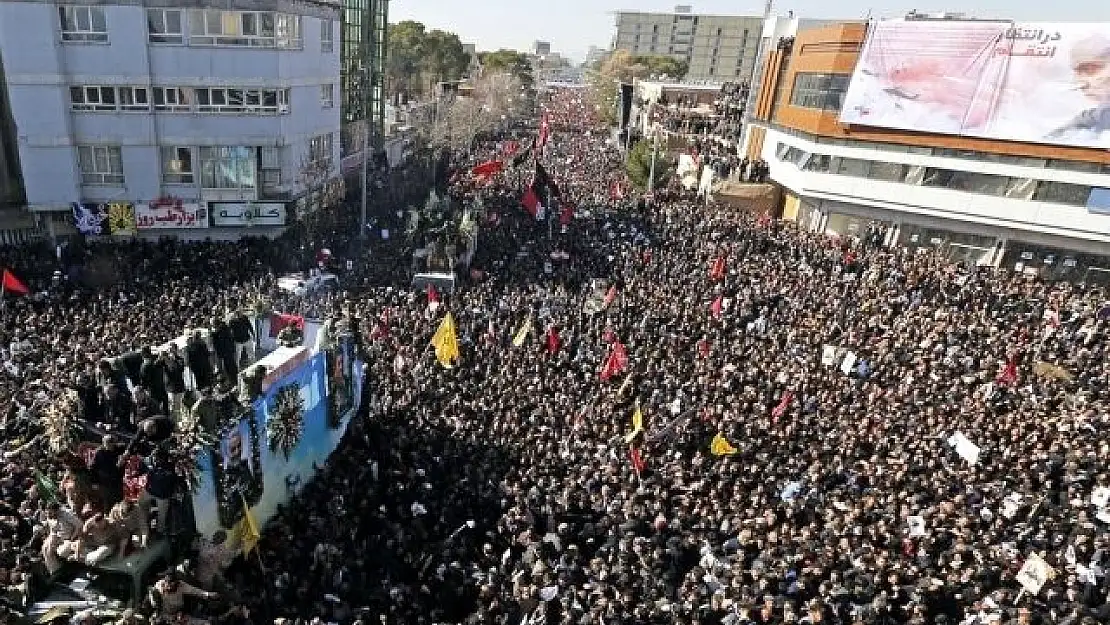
968 182
819 91
971 155
199 27
242 168
188 99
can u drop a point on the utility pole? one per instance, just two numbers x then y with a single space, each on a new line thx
362 229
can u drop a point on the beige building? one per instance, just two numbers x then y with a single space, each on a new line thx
718 48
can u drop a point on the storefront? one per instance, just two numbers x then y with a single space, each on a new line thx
956 246
248 214
1055 264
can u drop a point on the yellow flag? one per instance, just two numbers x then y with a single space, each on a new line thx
248 531
446 343
721 447
523 332
637 424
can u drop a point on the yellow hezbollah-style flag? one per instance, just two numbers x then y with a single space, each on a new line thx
721 447
637 424
523 332
446 343
247 531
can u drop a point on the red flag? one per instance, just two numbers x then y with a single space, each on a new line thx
715 307
567 214
13 284
488 168
717 268
610 295
615 363
637 459
545 132
608 335
703 348
1009 375
552 340
433 295
784 403
278 321
615 191
531 201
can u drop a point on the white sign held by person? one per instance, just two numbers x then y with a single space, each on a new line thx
828 355
966 449
1034 573
849 363
1100 497
917 526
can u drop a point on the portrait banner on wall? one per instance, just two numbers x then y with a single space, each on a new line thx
1027 82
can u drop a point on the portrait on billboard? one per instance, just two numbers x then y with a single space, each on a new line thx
1032 83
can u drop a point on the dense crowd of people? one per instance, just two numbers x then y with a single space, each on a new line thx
830 431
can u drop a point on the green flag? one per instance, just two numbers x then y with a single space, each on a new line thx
48 490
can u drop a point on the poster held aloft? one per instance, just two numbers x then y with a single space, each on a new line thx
1034 573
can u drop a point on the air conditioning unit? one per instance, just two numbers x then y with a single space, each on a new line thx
283 108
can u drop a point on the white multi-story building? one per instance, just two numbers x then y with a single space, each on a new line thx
717 48
226 111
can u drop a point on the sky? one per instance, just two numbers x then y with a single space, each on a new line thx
572 26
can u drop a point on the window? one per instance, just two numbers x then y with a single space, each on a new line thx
227 167
133 99
100 164
173 99
83 24
1062 193
319 150
177 165
164 26
270 168
889 172
852 167
819 91
327 96
792 155
327 36
231 100
97 98
253 29
818 163
92 98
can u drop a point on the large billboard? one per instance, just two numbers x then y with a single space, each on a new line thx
1030 83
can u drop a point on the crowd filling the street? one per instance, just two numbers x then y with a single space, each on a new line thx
634 408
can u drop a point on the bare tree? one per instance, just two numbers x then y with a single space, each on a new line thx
493 101
315 171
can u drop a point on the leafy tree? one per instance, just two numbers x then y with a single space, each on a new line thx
639 166
508 61
622 66
419 58
404 58
445 57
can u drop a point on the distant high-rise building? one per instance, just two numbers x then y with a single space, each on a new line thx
717 48
541 48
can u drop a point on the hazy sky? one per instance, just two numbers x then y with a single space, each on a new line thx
572 26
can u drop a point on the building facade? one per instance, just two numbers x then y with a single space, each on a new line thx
228 112
11 178
717 48
362 76
1030 207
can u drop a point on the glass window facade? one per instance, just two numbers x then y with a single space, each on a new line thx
819 91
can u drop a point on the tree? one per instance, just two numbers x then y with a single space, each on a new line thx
621 66
510 62
445 57
404 58
639 166
494 99
419 58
